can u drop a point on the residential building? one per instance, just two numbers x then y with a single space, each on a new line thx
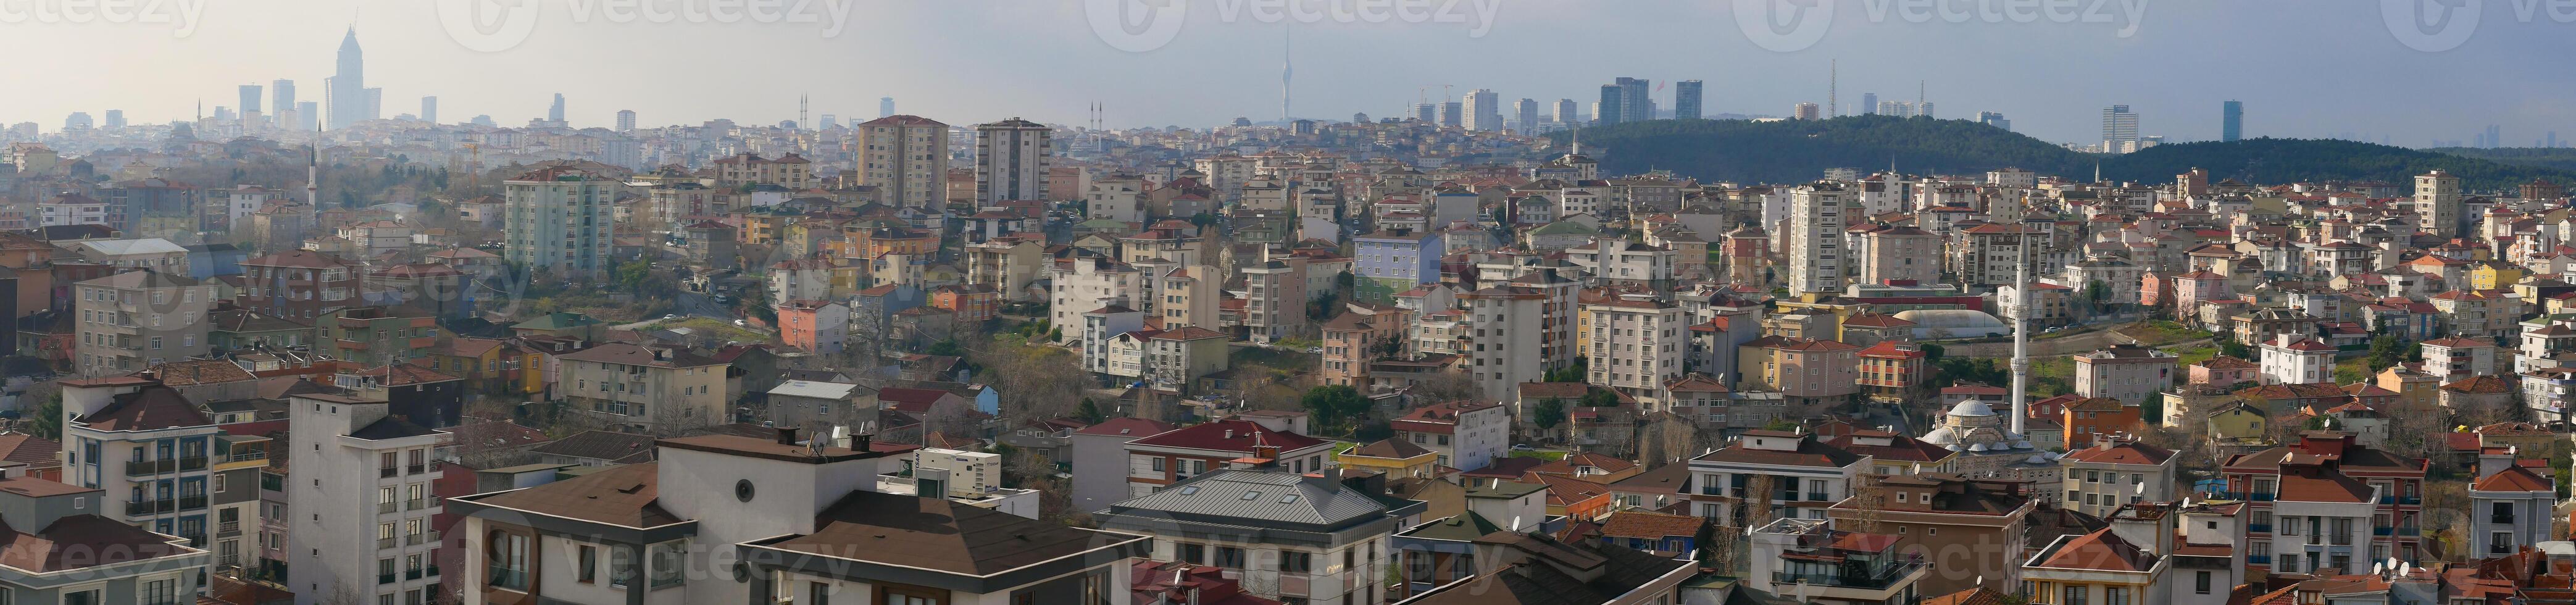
1099 452
2087 418
1803 476
819 327
1808 560
1288 535
138 319
1392 261
2330 475
559 219
2294 359
1814 238
2129 373
1891 254
365 497
2456 358
1465 435
789 520
2117 471
1172 456
646 389
77 552
1944 516
2511 505
1638 343
145 441
2121 564
1274 300
906 158
1012 158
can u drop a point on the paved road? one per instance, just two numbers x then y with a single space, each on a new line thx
2038 347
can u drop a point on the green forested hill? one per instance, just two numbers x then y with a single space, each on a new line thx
1800 150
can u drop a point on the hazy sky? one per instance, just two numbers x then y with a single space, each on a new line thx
2307 68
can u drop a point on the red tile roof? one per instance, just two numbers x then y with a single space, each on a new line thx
1237 436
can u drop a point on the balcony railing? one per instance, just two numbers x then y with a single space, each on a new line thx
384 578
421 538
2410 500
384 543
390 471
387 507
228 528
420 503
2382 531
415 469
411 574
2260 528
1885 576
2259 559
431 571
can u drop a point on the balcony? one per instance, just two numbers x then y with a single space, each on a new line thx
429 572
2259 559
2382 531
387 507
384 578
228 529
1881 579
415 469
421 503
2259 528
389 472
2410 500
385 543
150 507
428 537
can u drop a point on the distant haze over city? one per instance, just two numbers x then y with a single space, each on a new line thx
2304 68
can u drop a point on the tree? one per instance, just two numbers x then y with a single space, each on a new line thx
1445 387
1333 405
1548 413
2231 348
1600 398
2386 350
48 417
1089 412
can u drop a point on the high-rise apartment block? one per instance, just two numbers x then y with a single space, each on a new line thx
906 158
559 218
1011 161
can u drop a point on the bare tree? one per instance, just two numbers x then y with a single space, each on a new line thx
1445 387
1869 501
1665 438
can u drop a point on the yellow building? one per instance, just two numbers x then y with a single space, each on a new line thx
2493 275
1395 457
2099 568
2238 424
644 389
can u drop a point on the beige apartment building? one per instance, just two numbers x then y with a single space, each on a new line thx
906 158
138 319
644 389
1899 253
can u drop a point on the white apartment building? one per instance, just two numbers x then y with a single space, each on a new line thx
1465 435
1274 300
2294 359
1638 343
2321 522
559 218
2437 203
1816 254
1806 476
73 552
1082 284
136 439
1119 197
1011 161
362 503
2511 507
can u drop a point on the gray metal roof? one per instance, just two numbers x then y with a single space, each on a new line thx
1261 496
815 390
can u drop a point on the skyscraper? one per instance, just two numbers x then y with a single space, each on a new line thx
1427 112
1011 161
1606 112
1686 99
2119 129
1568 113
626 120
555 112
1450 114
346 89
1805 111
429 109
1634 104
1815 232
1526 112
250 98
557 218
1484 110
115 118
1869 103
885 107
308 114
281 94
2231 121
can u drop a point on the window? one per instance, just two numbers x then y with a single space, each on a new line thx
587 570
509 557
1191 553
1296 562
2115 596
1229 557
2200 582
2074 596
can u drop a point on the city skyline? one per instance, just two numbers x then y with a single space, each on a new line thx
1343 69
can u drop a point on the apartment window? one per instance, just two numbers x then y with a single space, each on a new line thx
509 557
2115 596
2074 596
1229 557
1296 562
2200 582
1191 553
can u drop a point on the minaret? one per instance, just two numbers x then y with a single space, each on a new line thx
2021 330
1833 89
313 173
1284 71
